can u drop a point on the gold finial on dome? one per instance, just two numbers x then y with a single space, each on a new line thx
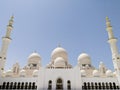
34 51
59 45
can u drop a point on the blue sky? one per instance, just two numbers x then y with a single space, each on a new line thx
78 25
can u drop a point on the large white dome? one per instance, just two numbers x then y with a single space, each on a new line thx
84 59
59 62
34 55
59 52
114 73
34 58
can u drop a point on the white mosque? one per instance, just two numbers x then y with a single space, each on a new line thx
59 74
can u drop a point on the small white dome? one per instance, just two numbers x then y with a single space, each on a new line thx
34 55
109 73
96 73
84 59
83 73
49 65
101 64
35 73
59 52
114 73
69 66
4 72
59 62
9 73
22 73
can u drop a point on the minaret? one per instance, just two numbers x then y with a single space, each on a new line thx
5 43
112 41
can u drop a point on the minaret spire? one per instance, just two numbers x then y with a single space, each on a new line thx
9 27
114 49
109 28
5 43
111 40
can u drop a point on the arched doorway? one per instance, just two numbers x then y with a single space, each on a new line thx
59 84
50 85
69 85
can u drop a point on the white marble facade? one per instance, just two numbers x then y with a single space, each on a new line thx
59 74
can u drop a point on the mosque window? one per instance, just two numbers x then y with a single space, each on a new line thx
22 85
59 84
110 84
7 86
11 85
29 86
114 85
18 86
96 86
2 68
15 85
107 86
4 85
34 86
118 87
84 86
68 85
92 85
50 85
88 85
103 85
83 64
34 65
26 85
99 85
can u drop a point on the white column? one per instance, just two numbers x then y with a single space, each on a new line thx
114 49
5 43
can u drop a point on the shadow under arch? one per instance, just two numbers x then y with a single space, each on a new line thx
59 84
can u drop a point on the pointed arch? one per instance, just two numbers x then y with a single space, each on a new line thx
59 84
69 85
50 85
